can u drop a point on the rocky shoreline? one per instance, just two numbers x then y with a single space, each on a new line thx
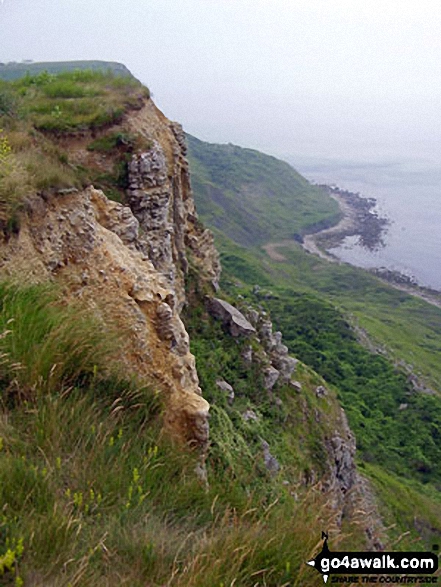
359 219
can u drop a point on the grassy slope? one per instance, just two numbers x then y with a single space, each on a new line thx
111 502
11 71
90 493
309 293
254 198
39 113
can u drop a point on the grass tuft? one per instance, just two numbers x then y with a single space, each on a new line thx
45 347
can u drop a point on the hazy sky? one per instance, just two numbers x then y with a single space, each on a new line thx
349 78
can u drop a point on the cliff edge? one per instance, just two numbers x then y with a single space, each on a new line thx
127 261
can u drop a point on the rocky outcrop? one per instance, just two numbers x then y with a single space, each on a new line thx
129 262
90 247
341 448
271 375
232 319
160 196
276 352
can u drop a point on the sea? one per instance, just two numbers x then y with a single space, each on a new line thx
408 194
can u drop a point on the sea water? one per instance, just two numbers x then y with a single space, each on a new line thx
408 193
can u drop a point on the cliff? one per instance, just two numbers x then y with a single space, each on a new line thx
96 200
128 262
138 263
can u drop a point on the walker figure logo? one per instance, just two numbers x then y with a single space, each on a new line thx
375 563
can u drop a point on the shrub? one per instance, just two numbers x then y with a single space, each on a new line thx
7 102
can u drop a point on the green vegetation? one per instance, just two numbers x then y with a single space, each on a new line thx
91 491
411 511
92 494
362 336
236 443
73 101
11 71
43 345
355 331
39 112
254 198
394 426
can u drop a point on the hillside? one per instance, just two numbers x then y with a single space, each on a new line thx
376 346
117 342
119 337
254 198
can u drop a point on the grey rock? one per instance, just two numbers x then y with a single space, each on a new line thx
286 365
123 223
321 391
343 450
271 463
234 320
164 321
278 352
67 191
148 168
271 376
179 136
296 385
253 316
250 415
227 389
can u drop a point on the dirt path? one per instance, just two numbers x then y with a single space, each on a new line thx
272 252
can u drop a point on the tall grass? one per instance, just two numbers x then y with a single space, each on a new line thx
45 347
77 101
91 492
27 166
97 498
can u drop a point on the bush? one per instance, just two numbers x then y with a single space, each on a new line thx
7 103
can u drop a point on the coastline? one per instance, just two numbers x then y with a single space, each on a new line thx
316 242
355 211
351 223
359 218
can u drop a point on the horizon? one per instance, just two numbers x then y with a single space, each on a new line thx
288 78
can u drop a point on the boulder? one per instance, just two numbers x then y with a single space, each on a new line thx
227 389
271 376
232 319
250 415
321 391
296 385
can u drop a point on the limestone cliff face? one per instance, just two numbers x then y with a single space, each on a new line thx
160 197
129 262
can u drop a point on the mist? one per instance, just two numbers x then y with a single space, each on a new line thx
313 78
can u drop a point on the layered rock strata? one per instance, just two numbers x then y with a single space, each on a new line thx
129 263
